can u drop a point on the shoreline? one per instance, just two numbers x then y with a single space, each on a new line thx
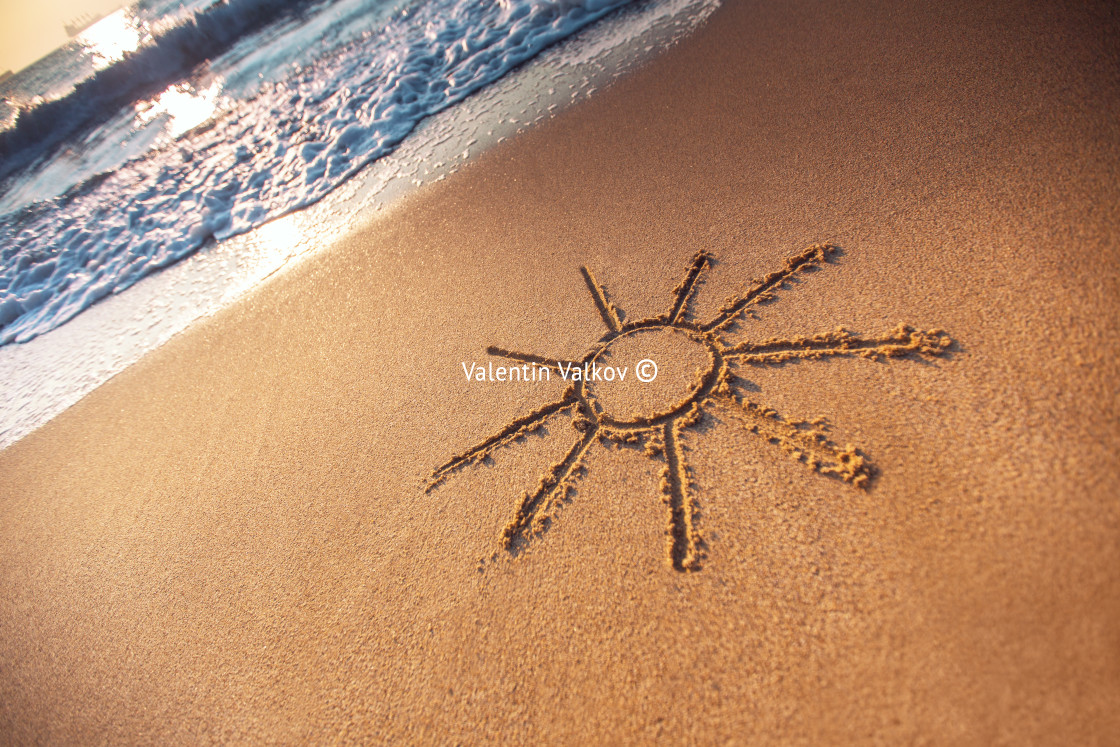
247 535
48 374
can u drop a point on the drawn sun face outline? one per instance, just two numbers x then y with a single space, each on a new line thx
660 431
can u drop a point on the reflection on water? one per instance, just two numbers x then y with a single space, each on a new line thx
184 106
279 238
110 38
265 250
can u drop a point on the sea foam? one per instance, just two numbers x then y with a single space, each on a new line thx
291 144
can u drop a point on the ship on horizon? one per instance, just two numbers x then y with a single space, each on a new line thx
81 23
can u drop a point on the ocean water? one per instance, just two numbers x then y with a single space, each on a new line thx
285 146
235 168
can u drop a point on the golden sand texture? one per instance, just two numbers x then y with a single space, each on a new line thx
232 541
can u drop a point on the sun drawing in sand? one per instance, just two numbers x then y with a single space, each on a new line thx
658 423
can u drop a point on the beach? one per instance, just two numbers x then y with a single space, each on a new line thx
239 538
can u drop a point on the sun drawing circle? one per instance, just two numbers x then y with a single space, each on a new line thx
697 362
697 370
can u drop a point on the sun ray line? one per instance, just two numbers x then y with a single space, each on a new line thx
804 442
606 309
540 360
901 341
813 256
684 539
683 293
522 426
531 514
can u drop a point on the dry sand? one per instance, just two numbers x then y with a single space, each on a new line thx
232 540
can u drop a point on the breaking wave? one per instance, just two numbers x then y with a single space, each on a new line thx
167 57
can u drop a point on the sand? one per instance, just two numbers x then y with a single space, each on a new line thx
234 539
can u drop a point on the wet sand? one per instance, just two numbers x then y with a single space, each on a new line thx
234 539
